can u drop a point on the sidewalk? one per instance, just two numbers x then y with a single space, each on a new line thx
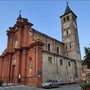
9 84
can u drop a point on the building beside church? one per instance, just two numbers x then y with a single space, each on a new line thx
32 57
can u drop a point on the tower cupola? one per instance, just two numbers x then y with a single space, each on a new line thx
67 11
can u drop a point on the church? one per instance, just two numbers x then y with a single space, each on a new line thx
32 57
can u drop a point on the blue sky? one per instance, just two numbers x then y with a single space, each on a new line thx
44 14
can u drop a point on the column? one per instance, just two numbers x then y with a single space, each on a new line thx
17 66
10 63
20 37
39 64
25 35
8 45
23 66
1 66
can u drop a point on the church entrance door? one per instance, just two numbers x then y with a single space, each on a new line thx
13 71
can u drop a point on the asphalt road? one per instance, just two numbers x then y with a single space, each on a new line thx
23 87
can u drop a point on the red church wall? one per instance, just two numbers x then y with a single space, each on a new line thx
34 54
5 69
20 36
32 75
1 66
24 59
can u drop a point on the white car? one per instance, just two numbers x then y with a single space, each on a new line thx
50 84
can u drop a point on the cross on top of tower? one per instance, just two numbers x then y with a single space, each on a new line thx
67 9
20 13
67 3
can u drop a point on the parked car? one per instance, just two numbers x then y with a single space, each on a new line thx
50 84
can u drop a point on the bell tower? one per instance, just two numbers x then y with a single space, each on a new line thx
70 34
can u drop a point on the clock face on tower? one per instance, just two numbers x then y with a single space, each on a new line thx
66 25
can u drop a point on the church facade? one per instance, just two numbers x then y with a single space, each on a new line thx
32 57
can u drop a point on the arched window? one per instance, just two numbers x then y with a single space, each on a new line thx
69 64
30 65
15 43
67 32
64 19
66 47
58 50
14 60
30 62
67 18
48 46
61 62
70 46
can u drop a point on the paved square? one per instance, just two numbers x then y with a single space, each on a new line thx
23 87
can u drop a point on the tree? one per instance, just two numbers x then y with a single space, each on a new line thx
87 57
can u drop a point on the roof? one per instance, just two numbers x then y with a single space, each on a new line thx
68 10
46 35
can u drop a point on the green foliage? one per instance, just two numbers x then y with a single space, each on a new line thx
88 75
87 57
86 85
